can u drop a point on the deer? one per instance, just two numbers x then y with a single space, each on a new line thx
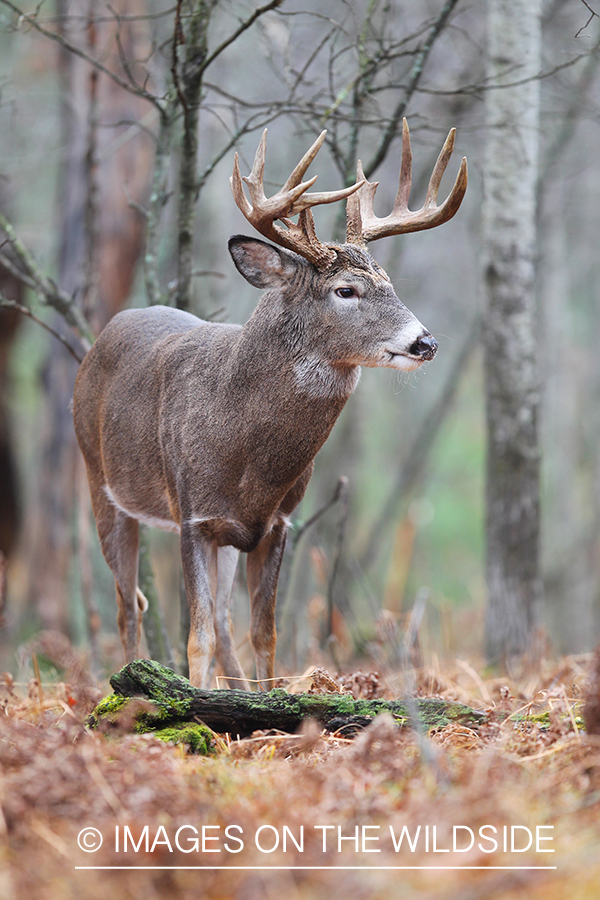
211 429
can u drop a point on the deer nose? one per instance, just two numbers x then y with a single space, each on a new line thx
425 346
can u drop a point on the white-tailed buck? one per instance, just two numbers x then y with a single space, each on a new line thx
210 430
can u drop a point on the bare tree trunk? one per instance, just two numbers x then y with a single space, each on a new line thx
190 88
511 366
9 494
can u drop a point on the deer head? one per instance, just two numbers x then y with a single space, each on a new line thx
368 323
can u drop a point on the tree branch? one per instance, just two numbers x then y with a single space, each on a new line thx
244 26
415 76
47 292
413 465
73 48
5 303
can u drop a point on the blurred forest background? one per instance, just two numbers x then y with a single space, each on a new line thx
91 171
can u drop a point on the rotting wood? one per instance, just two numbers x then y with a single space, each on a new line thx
240 713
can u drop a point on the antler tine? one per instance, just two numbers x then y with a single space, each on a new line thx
405 181
298 172
282 202
318 197
322 197
452 202
237 189
359 207
439 168
364 225
257 171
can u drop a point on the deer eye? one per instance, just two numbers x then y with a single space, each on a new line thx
346 293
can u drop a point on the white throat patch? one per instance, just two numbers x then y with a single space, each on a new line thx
317 378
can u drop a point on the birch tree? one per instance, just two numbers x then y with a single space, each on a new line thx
511 370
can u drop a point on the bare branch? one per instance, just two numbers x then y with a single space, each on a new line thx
483 87
5 303
251 124
9 264
302 528
244 26
415 76
46 290
413 465
593 15
73 48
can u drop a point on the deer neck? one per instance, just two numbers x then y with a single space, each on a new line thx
284 347
285 378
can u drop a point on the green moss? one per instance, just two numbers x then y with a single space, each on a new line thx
543 719
168 709
108 708
170 703
110 705
197 737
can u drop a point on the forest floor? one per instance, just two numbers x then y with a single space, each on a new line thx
510 810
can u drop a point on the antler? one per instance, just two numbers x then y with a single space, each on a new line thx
363 225
290 200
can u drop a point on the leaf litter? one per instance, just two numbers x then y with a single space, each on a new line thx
530 765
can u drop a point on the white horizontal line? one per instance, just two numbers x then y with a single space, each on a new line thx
324 868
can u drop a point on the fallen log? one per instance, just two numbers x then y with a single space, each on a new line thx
172 699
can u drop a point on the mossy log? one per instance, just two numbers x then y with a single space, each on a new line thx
240 713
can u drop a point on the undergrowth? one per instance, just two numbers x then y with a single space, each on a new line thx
530 766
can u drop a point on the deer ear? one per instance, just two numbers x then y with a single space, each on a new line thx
263 265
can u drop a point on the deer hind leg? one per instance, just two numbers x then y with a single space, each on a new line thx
262 567
227 559
119 539
199 560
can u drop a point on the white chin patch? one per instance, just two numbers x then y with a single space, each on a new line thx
404 363
400 345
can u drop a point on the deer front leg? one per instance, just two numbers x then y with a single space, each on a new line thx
262 568
199 560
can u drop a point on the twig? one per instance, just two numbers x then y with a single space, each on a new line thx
593 15
44 287
38 678
5 303
8 263
73 48
244 26
414 464
483 87
413 81
337 553
337 494
3 594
